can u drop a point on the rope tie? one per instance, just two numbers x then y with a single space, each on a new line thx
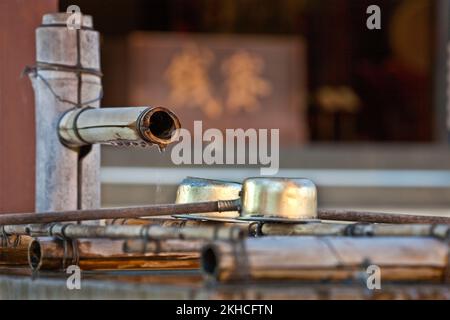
242 265
78 69
146 238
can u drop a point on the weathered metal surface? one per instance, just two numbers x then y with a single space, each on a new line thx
130 126
66 179
279 199
198 190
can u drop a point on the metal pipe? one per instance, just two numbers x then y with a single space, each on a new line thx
128 126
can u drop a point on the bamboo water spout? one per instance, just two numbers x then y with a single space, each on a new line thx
132 126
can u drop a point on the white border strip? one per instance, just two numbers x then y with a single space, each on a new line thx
322 177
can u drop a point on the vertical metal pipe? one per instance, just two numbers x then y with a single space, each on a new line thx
66 76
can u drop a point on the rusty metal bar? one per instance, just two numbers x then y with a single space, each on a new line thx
379 217
114 213
441 231
203 207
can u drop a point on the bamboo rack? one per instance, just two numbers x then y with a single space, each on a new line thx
49 254
326 258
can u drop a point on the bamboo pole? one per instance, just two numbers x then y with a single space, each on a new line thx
326 258
176 222
14 251
335 229
153 232
145 246
48 254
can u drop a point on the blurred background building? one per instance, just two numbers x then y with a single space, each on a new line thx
361 112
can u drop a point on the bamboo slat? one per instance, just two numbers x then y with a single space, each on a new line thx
112 231
336 229
326 258
145 246
173 222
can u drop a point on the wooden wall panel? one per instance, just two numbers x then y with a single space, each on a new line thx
18 21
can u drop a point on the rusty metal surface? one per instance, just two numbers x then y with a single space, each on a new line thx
379 217
116 213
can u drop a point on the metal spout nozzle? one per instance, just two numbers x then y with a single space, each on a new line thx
129 126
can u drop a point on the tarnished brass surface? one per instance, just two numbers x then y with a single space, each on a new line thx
198 190
279 199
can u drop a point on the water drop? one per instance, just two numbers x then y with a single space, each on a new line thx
161 148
